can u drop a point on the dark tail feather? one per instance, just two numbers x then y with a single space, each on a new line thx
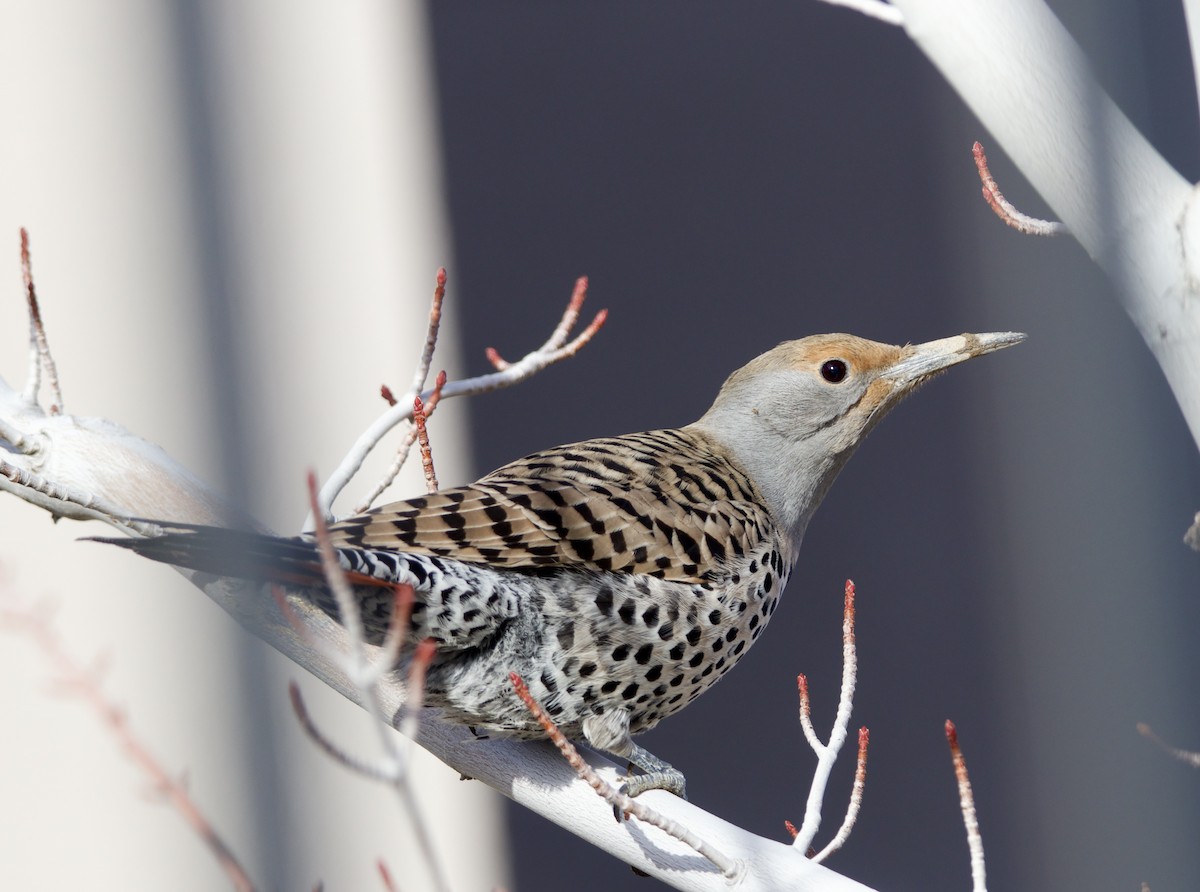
238 553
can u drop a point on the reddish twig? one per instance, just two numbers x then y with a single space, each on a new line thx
557 344
1186 756
83 683
39 347
415 690
398 625
810 733
624 804
421 374
331 749
431 484
405 447
431 331
1004 208
966 802
389 884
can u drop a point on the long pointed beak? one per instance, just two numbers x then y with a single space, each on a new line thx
918 362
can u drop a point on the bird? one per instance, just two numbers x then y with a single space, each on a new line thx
620 577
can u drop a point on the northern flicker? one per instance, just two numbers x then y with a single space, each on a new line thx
619 577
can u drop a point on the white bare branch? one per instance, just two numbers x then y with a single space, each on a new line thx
1029 83
875 9
855 804
827 753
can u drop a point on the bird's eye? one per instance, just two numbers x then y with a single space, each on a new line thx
833 370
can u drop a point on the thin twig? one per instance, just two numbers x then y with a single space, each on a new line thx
335 578
431 332
856 796
1186 756
431 484
406 444
827 753
810 733
966 802
873 9
529 365
85 684
39 348
366 679
614 797
398 630
1004 208
558 337
384 774
417 667
389 884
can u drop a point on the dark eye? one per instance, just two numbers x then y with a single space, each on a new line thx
833 370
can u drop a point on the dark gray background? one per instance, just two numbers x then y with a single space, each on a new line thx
733 174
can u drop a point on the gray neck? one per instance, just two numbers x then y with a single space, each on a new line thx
793 474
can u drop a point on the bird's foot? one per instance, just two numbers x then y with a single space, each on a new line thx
655 774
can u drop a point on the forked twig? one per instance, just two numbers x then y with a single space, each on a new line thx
827 753
614 797
966 802
366 677
406 444
856 796
1004 208
82 682
555 349
557 342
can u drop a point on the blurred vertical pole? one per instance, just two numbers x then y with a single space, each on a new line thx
236 218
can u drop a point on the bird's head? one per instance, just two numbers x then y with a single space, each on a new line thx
794 415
